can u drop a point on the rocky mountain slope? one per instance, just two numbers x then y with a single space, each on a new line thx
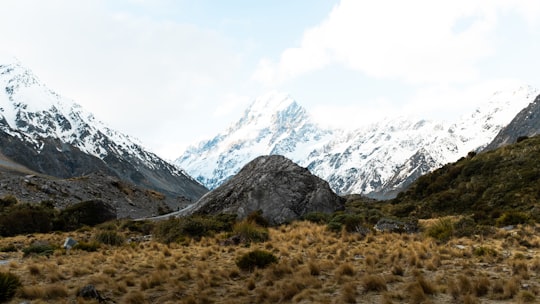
274 185
485 185
128 201
526 123
377 160
49 134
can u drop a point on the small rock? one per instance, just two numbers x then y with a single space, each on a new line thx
391 225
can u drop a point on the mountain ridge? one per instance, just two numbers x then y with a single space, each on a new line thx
47 133
377 160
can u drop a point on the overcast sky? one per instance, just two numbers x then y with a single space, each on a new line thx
173 72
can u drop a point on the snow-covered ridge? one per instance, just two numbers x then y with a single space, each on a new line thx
28 106
31 111
376 160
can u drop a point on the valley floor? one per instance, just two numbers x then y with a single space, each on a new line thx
314 266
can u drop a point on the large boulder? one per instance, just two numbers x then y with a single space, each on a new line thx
274 185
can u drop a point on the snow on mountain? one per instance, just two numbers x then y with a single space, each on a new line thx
377 160
272 124
34 114
384 158
364 159
30 107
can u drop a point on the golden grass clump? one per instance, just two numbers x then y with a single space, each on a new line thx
345 269
373 283
47 292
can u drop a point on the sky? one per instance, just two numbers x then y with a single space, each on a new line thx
174 72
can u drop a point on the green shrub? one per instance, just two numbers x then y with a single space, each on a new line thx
257 218
334 226
465 227
87 246
484 251
251 232
177 229
8 201
197 227
26 218
256 259
442 230
9 283
512 218
8 248
38 249
144 227
109 237
169 231
351 222
89 213
317 217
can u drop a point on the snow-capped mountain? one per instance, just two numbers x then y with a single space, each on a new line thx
526 123
53 135
377 160
272 124
382 159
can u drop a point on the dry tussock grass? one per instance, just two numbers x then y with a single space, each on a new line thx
314 266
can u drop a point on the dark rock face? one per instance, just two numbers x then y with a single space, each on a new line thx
392 225
62 160
127 200
55 158
282 190
526 123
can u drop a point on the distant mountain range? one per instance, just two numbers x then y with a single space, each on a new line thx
45 133
378 160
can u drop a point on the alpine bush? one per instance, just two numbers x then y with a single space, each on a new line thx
256 259
9 283
250 232
442 230
109 237
38 249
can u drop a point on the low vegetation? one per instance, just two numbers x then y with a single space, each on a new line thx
9 283
302 262
256 259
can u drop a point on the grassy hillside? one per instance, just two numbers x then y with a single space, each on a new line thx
500 183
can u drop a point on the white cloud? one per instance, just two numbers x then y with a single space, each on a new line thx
231 103
415 41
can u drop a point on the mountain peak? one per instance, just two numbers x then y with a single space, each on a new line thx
270 103
6 58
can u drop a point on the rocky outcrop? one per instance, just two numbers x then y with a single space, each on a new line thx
279 188
128 200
